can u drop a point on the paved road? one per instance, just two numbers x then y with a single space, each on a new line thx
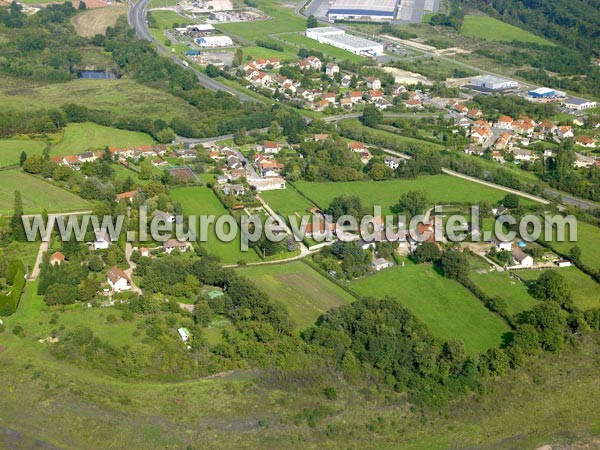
535 198
137 19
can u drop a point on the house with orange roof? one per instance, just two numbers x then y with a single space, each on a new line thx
505 123
56 259
355 96
586 141
130 195
356 147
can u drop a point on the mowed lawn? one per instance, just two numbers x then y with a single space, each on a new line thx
440 189
588 237
585 291
503 285
79 137
202 201
308 43
305 293
36 194
10 150
448 309
490 29
287 201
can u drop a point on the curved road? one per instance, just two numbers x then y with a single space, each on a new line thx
137 19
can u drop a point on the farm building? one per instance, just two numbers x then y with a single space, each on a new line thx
494 83
214 41
579 104
542 93
338 38
363 10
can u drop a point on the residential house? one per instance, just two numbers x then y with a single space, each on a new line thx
356 147
381 264
315 63
474 150
586 141
375 95
503 141
497 156
331 69
548 127
505 123
87 157
274 62
520 154
583 161
56 259
413 103
565 132
461 109
398 89
320 137
392 163
267 184
172 244
480 135
346 103
346 81
501 246
102 240
157 162
521 258
374 83
475 113
234 189
118 280
163 216
72 161
329 97
355 96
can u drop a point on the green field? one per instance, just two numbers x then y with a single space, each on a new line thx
448 309
10 150
440 189
583 288
287 201
123 97
501 284
201 200
588 237
386 138
36 195
79 137
308 43
305 293
484 27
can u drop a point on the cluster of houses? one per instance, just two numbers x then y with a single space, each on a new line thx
122 154
260 74
261 172
508 136
519 259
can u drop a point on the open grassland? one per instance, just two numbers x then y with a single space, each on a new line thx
386 138
287 201
47 402
78 137
440 189
255 52
503 285
584 290
310 44
10 150
305 293
95 21
122 97
588 239
36 194
201 200
448 309
490 29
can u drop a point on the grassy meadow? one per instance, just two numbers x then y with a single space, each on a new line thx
490 29
201 201
588 237
584 289
305 293
36 194
79 137
440 189
448 309
10 150
503 285
287 201
123 97
310 44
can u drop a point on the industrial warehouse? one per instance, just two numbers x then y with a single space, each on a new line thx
338 38
363 10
